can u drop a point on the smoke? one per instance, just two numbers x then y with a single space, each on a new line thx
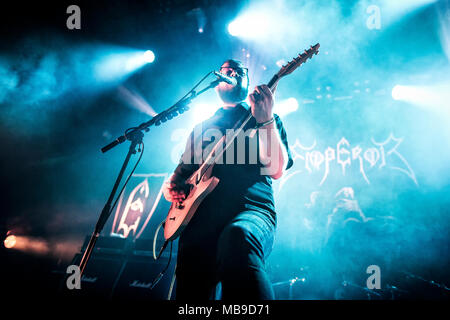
391 221
41 77
8 81
37 75
34 80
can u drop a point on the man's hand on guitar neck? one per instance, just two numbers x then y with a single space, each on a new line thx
272 153
261 102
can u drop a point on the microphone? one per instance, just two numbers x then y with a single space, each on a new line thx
224 78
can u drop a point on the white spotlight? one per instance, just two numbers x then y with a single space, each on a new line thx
203 111
139 59
233 28
114 66
10 241
286 106
399 92
251 25
26 244
149 56
433 97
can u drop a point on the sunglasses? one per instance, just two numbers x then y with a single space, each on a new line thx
230 70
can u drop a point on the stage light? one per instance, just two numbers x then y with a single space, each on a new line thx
135 100
26 244
284 107
62 249
269 24
117 65
10 241
203 111
199 15
430 97
233 28
139 59
399 92
250 25
149 56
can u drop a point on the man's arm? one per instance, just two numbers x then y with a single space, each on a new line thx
175 188
272 153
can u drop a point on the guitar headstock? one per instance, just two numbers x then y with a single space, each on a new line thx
298 61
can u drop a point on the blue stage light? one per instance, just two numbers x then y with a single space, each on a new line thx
139 59
284 107
203 111
250 25
400 92
430 97
113 66
149 56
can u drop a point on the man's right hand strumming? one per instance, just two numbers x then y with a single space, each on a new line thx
175 191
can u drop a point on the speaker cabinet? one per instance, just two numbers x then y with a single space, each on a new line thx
138 274
122 273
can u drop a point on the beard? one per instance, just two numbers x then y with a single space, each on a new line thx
236 94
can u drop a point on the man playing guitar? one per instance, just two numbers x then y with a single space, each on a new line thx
231 234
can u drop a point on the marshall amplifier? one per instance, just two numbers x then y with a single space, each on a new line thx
120 270
138 274
99 276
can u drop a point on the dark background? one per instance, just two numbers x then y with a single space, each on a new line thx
55 118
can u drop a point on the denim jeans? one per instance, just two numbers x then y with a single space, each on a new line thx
233 255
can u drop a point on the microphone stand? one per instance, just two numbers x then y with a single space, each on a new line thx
135 135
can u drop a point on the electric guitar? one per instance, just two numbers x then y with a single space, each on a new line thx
202 181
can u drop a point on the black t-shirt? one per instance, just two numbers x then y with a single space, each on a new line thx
242 185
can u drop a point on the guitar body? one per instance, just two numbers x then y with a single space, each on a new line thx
180 214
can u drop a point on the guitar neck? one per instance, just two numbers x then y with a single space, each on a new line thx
273 82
